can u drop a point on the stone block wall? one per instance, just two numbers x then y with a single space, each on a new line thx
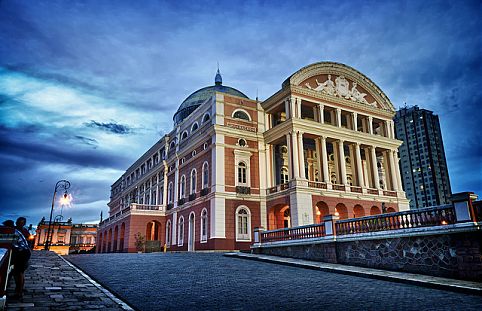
453 254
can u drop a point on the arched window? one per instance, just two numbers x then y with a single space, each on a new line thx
193 180
243 224
204 225
170 193
284 175
242 142
193 153
168 233
180 234
242 173
182 188
194 127
172 145
184 135
241 114
206 117
205 175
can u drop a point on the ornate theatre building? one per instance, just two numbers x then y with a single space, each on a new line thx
323 144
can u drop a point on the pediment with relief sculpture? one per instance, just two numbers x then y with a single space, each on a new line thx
341 81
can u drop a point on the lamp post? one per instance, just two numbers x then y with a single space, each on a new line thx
63 185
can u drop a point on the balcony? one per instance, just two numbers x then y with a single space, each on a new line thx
192 196
204 191
181 201
135 209
243 190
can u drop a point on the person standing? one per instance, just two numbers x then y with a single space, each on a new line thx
20 226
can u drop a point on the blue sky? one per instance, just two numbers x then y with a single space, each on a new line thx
87 86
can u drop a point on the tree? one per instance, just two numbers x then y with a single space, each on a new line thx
140 241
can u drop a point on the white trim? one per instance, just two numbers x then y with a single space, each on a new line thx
204 183
182 187
191 232
187 135
236 215
204 116
195 123
242 110
180 233
245 157
195 181
204 238
168 233
170 193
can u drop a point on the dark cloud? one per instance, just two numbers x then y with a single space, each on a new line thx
111 127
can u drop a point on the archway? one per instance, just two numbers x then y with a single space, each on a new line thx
321 210
358 211
122 235
153 231
391 210
116 236
279 217
99 243
375 210
342 211
190 237
109 241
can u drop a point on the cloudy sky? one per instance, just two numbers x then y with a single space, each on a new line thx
87 86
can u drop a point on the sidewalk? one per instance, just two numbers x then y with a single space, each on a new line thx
52 283
401 277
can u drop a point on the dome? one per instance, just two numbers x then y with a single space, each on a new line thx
197 98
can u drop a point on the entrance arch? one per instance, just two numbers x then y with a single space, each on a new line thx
190 237
153 231
116 236
342 211
279 217
121 238
358 211
321 210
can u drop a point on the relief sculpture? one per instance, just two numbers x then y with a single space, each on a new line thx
341 88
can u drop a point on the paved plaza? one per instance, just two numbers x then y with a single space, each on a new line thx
210 281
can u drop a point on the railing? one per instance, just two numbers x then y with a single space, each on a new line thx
338 187
304 232
356 189
389 193
243 190
181 201
372 191
147 207
317 184
192 196
433 216
204 191
278 188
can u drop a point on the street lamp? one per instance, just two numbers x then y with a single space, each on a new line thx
62 185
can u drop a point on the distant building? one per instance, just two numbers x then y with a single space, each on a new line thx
323 144
422 157
66 237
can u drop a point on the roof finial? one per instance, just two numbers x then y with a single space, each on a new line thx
218 80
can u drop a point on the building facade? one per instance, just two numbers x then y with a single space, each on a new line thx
66 237
423 164
323 144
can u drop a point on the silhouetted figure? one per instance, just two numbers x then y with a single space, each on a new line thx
20 256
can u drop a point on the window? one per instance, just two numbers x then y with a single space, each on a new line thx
204 225
180 237
206 117
284 175
193 181
184 135
194 127
182 188
243 224
170 193
205 176
241 114
242 142
241 173
193 153
205 146
168 233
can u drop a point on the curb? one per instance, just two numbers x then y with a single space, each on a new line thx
408 278
104 290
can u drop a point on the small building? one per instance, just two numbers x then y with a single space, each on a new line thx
66 237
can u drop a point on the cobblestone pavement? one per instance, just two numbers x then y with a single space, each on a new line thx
52 284
210 281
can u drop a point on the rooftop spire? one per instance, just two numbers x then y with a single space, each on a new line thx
218 80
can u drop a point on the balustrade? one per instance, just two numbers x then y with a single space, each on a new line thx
297 233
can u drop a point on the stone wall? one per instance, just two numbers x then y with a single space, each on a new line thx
453 254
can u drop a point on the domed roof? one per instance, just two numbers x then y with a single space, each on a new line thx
197 98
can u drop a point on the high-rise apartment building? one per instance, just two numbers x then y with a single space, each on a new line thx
422 157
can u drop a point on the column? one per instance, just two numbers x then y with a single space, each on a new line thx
397 169
293 109
290 156
355 121
295 152
318 159
287 108
315 114
322 113
338 117
393 173
376 178
269 165
302 155
370 125
324 157
298 101
359 173
341 157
